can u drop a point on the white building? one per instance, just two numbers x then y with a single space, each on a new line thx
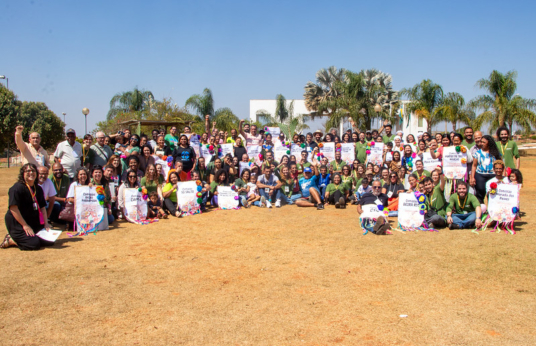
413 125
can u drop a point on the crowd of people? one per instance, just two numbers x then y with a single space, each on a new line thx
127 160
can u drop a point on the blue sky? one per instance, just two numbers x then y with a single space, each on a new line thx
72 54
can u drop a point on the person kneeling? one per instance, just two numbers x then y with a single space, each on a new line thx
375 197
464 209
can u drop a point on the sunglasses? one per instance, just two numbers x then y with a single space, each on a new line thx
376 187
132 176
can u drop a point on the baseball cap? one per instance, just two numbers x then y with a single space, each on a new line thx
307 170
70 131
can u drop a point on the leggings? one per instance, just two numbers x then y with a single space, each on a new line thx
480 187
170 205
335 196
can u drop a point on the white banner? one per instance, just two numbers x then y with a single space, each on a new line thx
242 166
328 150
370 211
194 143
254 152
165 167
227 198
453 168
348 152
135 209
501 203
205 152
187 198
376 154
226 148
429 163
279 151
274 131
87 210
409 214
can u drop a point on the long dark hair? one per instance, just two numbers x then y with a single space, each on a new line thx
87 175
492 147
104 181
23 168
219 173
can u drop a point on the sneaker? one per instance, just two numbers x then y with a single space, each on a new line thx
337 205
379 223
320 206
454 226
342 203
268 204
278 203
263 202
383 229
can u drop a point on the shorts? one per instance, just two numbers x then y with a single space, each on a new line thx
309 199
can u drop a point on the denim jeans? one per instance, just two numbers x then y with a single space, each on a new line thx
464 220
277 194
292 199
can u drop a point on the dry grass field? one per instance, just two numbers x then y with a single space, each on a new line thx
284 276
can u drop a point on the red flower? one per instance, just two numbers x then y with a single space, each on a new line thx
493 185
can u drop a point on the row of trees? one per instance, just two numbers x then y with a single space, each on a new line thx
364 96
34 116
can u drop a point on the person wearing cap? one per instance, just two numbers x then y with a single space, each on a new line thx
361 148
68 153
389 136
318 136
309 189
368 135
31 152
374 197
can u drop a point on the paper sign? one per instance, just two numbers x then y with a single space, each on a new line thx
194 142
50 235
501 203
135 207
279 151
88 212
370 211
227 198
376 154
205 152
242 166
408 210
453 168
429 163
328 150
226 148
165 167
274 131
348 152
254 152
187 198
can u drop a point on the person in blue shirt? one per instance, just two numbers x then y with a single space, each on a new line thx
309 189
324 179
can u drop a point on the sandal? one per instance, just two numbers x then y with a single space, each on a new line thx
6 243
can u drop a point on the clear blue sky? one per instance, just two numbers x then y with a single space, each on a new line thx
73 54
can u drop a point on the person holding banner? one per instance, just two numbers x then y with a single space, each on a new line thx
131 182
221 179
499 178
463 210
26 215
169 192
482 168
97 179
82 178
375 197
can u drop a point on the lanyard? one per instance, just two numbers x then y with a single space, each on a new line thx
503 148
56 185
36 205
465 201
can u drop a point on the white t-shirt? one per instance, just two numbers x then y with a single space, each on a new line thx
70 193
505 180
253 140
48 189
252 189
270 181
69 156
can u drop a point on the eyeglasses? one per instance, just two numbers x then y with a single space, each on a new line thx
57 170
376 187
134 139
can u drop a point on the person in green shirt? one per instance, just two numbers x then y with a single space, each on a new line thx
361 149
463 210
152 181
242 187
336 192
172 139
169 192
469 140
435 203
303 162
420 171
337 164
88 154
508 149
389 136
347 178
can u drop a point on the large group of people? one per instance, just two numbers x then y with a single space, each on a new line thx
128 160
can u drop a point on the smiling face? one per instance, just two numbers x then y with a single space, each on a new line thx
42 174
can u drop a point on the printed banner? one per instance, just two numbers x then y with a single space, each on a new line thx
328 150
227 198
87 209
453 168
226 148
376 154
274 131
370 211
165 167
348 152
254 152
429 163
242 166
135 207
501 203
194 143
279 151
187 198
206 154
409 214
296 150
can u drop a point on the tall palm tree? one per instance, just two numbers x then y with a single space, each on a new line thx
324 89
225 119
129 101
501 105
424 97
379 90
281 110
203 105
453 110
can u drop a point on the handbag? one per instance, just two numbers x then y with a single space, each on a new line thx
67 214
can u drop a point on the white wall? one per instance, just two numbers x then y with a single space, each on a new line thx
270 105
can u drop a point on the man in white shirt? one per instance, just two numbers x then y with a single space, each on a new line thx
102 151
31 152
48 188
68 153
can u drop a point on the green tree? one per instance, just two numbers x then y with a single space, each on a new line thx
324 88
454 110
36 117
425 98
9 109
501 105
203 105
129 101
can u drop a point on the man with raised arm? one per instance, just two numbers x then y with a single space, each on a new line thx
31 152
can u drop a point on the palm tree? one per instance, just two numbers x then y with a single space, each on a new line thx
379 90
281 110
284 117
324 89
453 109
129 101
225 119
202 104
501 105
424 97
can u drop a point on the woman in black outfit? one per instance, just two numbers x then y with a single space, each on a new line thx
185 154
27 212
239 149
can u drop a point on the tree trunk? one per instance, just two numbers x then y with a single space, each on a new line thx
454 126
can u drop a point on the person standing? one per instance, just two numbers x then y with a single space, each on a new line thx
469 140
102 152
508 148
389 136
31 152
171 139
482 167
26 214
252 138
361 149
68 153
185 154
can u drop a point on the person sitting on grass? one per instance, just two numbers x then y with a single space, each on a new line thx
169 192
374 197
242 187
269 185
220 179
435 203
154 207
463 210
309 189
336 192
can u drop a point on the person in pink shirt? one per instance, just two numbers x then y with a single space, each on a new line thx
252 138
